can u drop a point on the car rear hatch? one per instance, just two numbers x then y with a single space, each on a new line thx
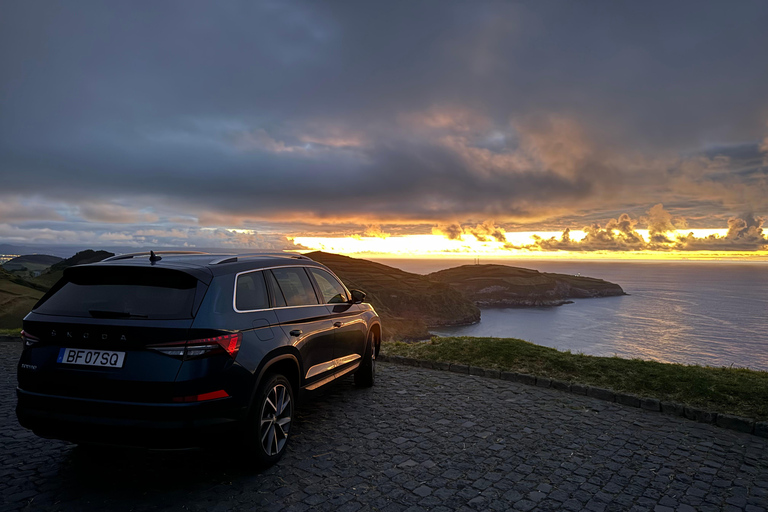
94 335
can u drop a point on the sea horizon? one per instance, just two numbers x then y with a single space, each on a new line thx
710 313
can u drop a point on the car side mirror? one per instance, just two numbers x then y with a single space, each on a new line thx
357 296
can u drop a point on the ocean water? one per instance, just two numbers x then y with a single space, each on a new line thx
703 313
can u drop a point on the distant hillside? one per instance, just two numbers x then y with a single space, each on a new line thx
505 286
408 303
17 297
30 265
54 273
33 259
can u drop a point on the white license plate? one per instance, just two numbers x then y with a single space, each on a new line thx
106 358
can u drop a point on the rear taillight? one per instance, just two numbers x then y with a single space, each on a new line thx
229 344
28 339
203 397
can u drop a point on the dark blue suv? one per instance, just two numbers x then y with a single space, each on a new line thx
177 349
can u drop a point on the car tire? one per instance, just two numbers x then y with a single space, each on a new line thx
270 420
365 376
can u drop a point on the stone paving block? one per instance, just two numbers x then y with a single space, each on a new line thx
650 404
477 371
524 378
700 415
602 394
459 368
672 408
579 389
627 399
422 491
510 376
736 423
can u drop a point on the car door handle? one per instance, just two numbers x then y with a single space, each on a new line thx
296 332
337 324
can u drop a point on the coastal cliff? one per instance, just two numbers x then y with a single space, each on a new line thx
505 286
409 304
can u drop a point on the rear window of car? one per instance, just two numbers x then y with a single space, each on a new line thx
251 292
127 292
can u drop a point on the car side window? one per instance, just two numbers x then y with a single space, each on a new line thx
251 292
332 290
295 285
277 294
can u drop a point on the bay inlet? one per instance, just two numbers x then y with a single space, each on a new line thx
704 313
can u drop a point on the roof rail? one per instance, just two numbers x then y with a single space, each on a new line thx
239 257
225 259
147 253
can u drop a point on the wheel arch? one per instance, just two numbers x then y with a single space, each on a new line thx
376 331
285 363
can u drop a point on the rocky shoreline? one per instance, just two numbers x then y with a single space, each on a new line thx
412 304
502 286
521 303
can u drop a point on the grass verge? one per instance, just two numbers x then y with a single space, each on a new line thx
10 332
735 391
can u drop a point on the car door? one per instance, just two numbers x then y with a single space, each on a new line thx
351 328
305 321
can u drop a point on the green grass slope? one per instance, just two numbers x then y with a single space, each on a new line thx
55 272
736 391
25 266
16 299
507 286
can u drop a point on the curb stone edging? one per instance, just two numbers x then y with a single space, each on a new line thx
727 421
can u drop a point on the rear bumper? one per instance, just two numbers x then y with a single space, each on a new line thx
150 425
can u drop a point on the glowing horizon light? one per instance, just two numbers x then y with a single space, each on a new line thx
417 246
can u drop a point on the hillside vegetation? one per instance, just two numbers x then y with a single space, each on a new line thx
408 303
56 271
28 265
506 286
17 297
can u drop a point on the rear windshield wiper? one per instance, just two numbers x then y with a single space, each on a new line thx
100 313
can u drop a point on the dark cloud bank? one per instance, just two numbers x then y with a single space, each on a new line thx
123 117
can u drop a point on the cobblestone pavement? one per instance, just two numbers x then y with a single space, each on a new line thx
420 439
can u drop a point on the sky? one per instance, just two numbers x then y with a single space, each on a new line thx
596 128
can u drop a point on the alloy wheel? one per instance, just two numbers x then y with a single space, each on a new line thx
276 413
